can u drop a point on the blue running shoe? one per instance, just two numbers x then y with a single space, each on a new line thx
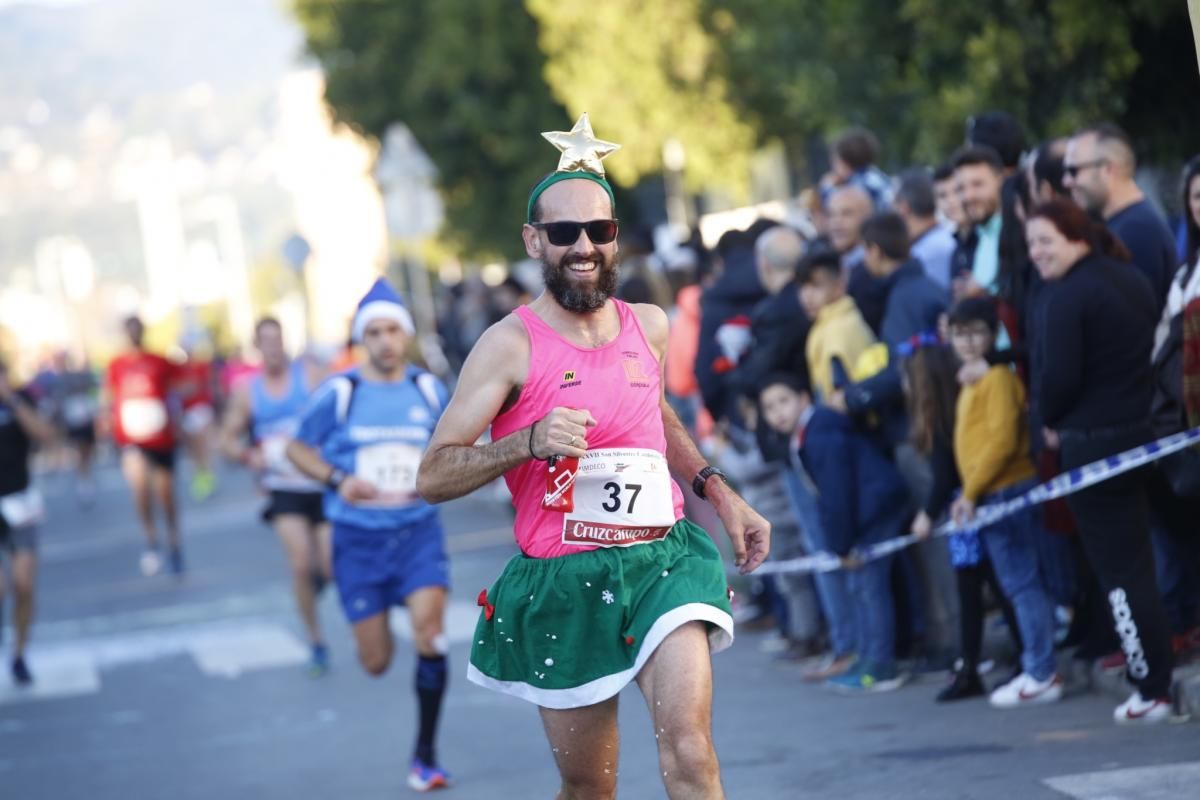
318 664
867 677
427 777
176 560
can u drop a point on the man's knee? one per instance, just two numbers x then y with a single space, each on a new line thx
23 574
302 571
429 639
689 753
23 586
375 660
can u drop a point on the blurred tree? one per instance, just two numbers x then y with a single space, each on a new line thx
466 77
647 73
476 82
914 71
805 68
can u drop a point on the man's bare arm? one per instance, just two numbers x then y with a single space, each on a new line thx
682 456
454 465
749 533
30 420
308 460
233 427
452 471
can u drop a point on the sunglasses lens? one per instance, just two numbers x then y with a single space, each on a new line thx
602 231
563 234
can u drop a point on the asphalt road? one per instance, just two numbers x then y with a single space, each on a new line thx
194 688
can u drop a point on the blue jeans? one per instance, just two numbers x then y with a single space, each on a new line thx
1056 560
1176 580
833 588
1012 547
871 590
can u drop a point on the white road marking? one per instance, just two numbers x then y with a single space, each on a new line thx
1165 782
57 676
229 654
66 666
225 649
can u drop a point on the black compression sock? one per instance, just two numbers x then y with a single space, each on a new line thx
431 687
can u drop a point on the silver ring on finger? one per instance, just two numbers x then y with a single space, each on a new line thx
574 439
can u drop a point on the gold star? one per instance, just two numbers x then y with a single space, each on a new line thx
581 150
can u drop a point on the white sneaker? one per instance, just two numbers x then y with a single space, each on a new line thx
1136 711
151 563
774 642
1026 690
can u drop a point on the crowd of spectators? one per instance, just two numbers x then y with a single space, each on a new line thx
944 339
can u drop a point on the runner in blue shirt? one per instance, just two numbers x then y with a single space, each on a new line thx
262 417
363 435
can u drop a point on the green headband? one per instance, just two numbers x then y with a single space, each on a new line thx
559 177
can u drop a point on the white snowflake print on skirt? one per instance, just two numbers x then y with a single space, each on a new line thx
607 597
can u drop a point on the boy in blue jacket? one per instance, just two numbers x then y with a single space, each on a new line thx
861 500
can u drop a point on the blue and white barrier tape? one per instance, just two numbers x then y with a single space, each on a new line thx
1060 486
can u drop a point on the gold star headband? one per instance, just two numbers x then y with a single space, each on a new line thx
582 157
580 148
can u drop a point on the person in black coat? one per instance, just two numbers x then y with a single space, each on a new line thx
735 292
1099 315
778 328
912 307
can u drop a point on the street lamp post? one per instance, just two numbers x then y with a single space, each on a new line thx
414 212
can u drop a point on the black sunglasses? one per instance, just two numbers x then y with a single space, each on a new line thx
1073 170
565 234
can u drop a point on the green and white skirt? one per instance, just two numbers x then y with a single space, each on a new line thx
573 631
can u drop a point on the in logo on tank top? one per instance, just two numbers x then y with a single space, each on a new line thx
570 378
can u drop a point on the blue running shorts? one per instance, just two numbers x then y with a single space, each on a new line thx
377 569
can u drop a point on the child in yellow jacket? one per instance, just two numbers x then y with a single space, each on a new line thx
838 330
991 448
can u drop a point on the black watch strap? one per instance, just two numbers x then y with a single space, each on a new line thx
702 478
336 476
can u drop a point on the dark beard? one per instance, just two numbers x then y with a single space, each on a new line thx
578 300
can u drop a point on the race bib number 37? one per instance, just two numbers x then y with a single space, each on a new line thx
622 498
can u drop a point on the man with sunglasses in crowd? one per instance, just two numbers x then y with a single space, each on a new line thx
613 584
1099 171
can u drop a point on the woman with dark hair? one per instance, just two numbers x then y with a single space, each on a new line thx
1191 207
1099 316
1174 487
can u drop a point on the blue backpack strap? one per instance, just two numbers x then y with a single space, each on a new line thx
427 385
344 386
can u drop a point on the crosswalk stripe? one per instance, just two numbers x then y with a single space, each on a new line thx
1164 782
73 666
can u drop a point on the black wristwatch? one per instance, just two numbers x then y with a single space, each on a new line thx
702 478
336 476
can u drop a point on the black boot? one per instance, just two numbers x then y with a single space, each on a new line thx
966 684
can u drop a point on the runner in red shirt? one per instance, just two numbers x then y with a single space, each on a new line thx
194 384
140 386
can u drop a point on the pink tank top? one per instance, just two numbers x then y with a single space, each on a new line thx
618 383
